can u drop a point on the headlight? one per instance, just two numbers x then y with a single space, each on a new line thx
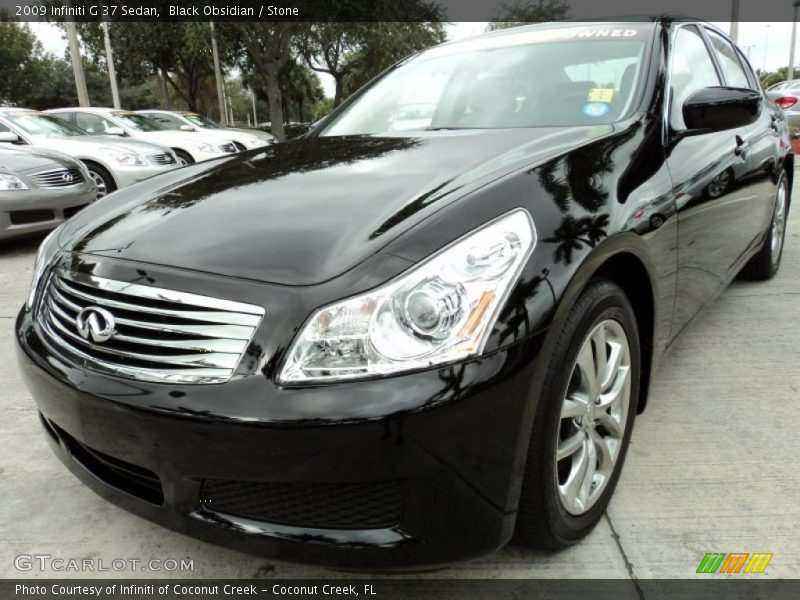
205 147
11 183
440 311
129 159
45 255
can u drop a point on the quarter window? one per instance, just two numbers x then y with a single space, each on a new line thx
691 69
732 69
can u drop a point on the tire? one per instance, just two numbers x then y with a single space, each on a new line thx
102 178
766 263
546 518
184 158
720 184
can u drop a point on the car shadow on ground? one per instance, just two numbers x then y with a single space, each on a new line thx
26 245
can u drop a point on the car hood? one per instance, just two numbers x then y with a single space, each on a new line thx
32 160
175 138
306 211
91 145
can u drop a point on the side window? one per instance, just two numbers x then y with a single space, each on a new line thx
732 69
691 69
168 121
65 116
94 124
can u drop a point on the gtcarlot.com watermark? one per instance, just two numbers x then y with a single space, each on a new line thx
44 563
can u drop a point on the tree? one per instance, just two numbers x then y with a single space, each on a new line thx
268 47
20 62
353 53
520 13
301 89
179 53
386 43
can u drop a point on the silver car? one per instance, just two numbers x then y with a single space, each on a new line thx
112 162
180 120
788 98
39 190
189 147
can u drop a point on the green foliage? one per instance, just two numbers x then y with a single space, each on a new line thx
521 12
773 77
20 62
353 53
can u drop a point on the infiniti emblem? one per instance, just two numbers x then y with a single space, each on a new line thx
68 177
95 323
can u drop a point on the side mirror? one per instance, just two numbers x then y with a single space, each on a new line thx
115 131
8 137
187 128
720 108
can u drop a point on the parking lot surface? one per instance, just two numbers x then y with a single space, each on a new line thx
713 464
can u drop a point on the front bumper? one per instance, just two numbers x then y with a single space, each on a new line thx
449 465
36 210
202 156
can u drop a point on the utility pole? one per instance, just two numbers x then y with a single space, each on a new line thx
790 73
77 64
223 117
112 72
735 21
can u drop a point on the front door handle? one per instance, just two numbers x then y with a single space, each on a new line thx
741 147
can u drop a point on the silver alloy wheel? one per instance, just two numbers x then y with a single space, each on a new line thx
594 416
719 184
182 161
102 190
778 222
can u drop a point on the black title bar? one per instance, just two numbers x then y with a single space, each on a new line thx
388 10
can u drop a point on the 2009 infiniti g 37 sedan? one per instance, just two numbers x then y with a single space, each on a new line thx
397 341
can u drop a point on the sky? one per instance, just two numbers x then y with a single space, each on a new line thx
765 44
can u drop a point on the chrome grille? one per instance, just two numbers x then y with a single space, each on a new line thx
228 147
58 178
162 158
159 335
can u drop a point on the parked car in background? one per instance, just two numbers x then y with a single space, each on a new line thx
189 147
784 84
245 139
395 350
39 190
112 162
788 98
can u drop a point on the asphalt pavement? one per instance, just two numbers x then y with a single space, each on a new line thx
713 463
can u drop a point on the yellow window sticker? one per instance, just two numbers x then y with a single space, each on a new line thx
601 95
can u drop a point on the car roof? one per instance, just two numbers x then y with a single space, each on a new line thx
100 109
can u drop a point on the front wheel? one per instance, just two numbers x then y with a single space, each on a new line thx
766 263
102 179
584 420
184 158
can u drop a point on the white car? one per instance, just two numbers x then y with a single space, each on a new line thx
112 162
245 139
189 147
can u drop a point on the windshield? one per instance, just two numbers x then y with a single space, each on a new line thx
43 125
582 75
137 122
201 121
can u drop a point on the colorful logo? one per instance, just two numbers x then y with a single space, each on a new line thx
734 562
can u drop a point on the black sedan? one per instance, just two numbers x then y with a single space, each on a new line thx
398 341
